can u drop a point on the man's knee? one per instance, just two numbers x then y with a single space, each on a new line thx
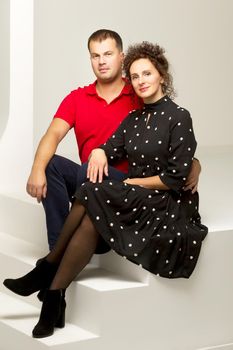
53 164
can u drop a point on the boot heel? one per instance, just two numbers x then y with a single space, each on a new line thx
52 313
41 294
61 320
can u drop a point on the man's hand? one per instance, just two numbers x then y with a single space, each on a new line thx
133 181
37 185
97 165
193 177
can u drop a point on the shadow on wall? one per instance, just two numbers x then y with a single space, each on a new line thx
4 63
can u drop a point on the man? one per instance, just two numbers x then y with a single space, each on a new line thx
94 112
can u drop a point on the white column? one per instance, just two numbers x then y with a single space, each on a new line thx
16 143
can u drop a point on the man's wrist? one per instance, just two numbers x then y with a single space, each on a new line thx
38 167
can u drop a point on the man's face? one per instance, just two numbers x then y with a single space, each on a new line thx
106 60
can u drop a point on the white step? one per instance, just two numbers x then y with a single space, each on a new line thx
103 281
219 347
215 187
20 318
22 217
17 257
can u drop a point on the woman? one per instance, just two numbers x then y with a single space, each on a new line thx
147 217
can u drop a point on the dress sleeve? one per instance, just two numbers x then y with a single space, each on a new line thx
181 152
115 145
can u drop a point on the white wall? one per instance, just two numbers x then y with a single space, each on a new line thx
197 35
4 63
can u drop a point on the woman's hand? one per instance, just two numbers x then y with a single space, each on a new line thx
97 165
193 177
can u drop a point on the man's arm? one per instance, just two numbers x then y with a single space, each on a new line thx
193 177
37 184
151 182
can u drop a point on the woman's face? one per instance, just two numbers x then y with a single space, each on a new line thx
146 80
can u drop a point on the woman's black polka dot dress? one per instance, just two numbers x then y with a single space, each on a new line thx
159 230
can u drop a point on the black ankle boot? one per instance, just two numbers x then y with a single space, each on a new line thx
41 293
52 313
39 278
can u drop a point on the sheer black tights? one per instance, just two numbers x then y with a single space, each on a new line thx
76 245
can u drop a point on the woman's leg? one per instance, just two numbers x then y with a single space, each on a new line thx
78 252
42 275
69 228
77 255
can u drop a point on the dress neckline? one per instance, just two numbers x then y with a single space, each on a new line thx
151 106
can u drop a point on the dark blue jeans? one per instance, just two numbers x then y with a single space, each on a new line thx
63 177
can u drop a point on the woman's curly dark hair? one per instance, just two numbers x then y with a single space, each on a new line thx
155 54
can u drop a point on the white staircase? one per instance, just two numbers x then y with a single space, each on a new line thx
115 304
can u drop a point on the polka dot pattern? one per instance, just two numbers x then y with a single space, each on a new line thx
159 230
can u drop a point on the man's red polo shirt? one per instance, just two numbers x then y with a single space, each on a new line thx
93 119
